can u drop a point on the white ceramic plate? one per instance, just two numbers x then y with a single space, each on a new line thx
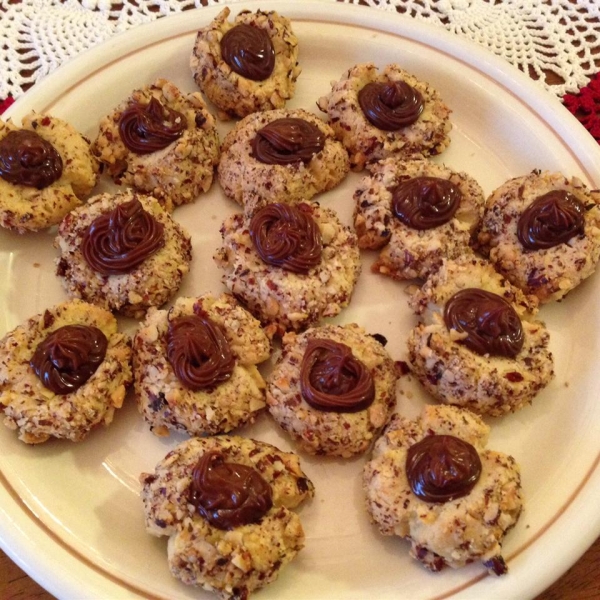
70 514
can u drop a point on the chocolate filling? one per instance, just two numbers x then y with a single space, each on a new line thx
490 322
249 52
333 379
198 352
441 468
390 105
119 241
28 159
228 494
550 220
425 202
68 357
146 129
287 236
286 141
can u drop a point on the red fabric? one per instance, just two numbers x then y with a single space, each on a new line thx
6 103
585 105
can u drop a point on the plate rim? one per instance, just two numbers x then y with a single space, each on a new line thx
43 568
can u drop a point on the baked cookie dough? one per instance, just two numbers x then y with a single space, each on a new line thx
432 482
376 115
479 346
63 373
333 389
246 66
195 366
227 542
417 213
46 169
161 142
542 232
290 265
280 156
123 252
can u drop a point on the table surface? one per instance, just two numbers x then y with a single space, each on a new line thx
581 582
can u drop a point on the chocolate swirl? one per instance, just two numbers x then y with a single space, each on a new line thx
550 220
390 105
198 352
249 52
146 129
425 202
121 240
441 468
285 236
227 494
27 159
490 322
68 357
332 379
286 141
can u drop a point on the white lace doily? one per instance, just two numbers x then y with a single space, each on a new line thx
553 41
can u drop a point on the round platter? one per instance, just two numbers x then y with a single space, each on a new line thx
71 516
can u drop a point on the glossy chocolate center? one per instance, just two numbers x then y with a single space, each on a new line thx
198 352
441 468
550 220
27 159
425 202
287 236
333 379
227 494
147 128
68 357
490 322
249 52
286 141
390 105
121 240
